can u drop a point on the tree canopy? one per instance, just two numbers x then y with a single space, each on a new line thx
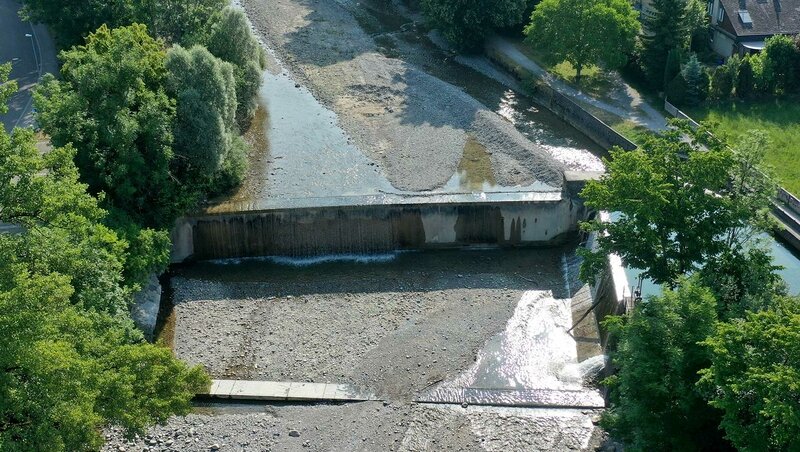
676 204
657 406
231 40
112 107
173 20
666 29
754 377
205 90
584 32
466 23
72 360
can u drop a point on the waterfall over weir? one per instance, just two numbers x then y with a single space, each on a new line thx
366 225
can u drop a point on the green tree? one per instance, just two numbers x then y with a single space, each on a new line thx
205 90
466 23
754 378
72 360
664 30
677 206
600 32
696 81
673 66
7 88
656 405
112 106
231 40
780 58
745 79
172 20
175 21
697 24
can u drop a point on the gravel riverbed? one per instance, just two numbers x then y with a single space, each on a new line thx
394 328
370 427
415 125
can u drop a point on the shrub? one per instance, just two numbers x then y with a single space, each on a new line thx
745 79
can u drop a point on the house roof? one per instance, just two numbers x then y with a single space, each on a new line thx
767 17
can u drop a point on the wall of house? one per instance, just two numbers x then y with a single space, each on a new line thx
722 44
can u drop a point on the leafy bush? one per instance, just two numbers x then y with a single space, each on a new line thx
745 79
231 40
721 86
780 59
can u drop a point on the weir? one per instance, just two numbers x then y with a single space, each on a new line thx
381 223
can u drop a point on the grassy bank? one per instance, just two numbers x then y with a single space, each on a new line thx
779 118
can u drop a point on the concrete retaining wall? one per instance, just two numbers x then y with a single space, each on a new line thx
563 107
789 200
567 110
363 229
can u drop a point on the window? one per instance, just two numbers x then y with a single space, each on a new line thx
710 9
720 13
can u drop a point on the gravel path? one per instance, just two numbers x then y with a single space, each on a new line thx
414 124
623 101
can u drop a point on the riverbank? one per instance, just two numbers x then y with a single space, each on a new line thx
414 125
399 325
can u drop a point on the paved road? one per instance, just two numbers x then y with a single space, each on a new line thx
32 54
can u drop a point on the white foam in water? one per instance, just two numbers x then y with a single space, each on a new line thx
534 361
313 260
532 350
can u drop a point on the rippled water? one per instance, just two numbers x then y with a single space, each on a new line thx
533 362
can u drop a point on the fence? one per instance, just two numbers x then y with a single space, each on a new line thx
674 111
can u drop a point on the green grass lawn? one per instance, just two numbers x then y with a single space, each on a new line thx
779 118
594 80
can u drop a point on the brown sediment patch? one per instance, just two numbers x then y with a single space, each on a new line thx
475 169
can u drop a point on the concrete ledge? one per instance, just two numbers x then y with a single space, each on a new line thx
286 391
533 398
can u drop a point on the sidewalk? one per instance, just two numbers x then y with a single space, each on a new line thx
627 105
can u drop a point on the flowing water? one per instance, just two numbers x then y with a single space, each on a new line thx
782 255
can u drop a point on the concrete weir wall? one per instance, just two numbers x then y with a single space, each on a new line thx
372 228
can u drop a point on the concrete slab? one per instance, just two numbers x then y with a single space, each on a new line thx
259 390
307 391
285 390
221 388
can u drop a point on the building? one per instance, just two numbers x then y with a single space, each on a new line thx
741 26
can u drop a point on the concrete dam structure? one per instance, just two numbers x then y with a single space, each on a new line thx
374 224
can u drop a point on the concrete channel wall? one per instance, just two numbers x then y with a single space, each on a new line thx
566 109
576 116
374 228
